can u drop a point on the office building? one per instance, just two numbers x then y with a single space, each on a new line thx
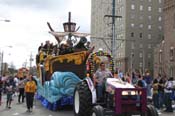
136 33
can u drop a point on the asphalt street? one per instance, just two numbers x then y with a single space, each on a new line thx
20 110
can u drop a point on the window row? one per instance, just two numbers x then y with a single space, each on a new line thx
141 8
141 35
141 17
148 26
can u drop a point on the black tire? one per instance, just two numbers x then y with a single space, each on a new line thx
97 111
151 111
82 100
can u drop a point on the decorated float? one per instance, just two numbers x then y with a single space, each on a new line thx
62 66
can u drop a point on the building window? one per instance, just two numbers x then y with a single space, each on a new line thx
171 71
141 55
160 56
160 27
141 17
132 34
132 6
141 35
160 1
140 45
149 27
140 64
149 64
160 18
149 55
172 53
160 10
149 8
149 17
141 25
149 36
149 46
132 16
132 45
141 7
132 25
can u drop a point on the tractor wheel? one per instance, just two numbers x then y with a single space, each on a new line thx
98 111
82 100
151 111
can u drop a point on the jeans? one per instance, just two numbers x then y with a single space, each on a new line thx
168 102
100 91
156 100
161 99
149 90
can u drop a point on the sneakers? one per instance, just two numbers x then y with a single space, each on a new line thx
28 110
8 106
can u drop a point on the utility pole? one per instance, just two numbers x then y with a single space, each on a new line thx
2 65
113 43
113 29
31 59
143 65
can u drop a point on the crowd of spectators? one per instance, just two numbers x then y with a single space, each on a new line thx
22 87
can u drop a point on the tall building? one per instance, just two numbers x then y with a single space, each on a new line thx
136 33
165 52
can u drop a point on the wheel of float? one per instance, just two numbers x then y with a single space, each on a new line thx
98 111
151 111
82 100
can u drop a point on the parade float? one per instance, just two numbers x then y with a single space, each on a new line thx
61 67
65 78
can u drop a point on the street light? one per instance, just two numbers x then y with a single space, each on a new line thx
5 20
2 58
2 53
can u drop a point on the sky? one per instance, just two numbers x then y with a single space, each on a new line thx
28 28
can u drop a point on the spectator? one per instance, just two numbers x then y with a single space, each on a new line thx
40 47
88 45
134 78
140 82
127 78
4 78
21 85
161 91
16 85
168 91
148 79
30 88
10 91
155 94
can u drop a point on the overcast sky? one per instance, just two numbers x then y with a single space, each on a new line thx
28 27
